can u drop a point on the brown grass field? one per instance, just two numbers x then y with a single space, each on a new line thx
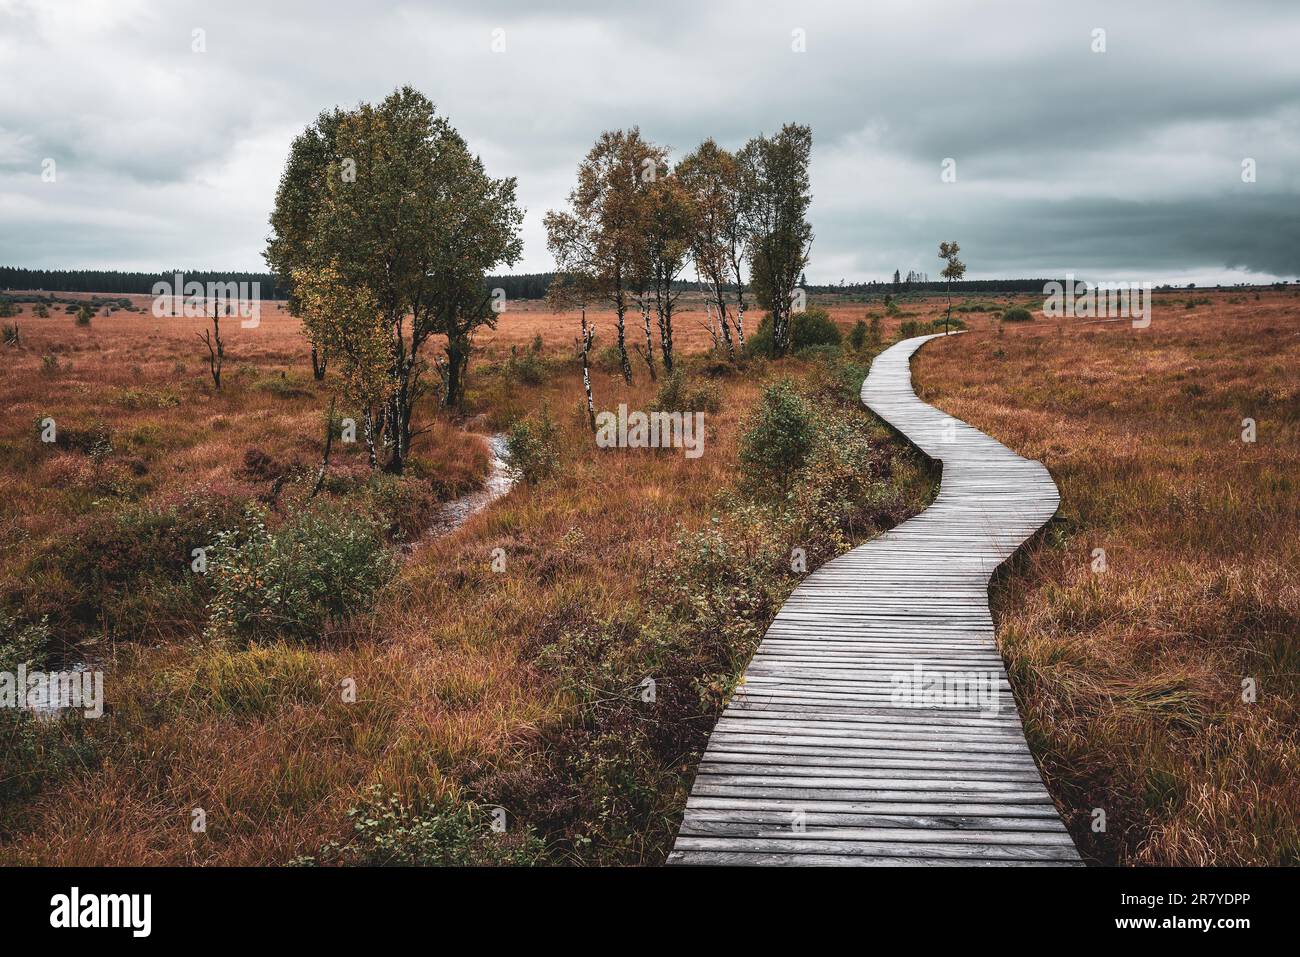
477 686
1131 680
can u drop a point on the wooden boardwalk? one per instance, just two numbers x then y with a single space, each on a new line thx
838 748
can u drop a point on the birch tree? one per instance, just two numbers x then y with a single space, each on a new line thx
570 291
600 236
347 326
666 230
710 177
775 195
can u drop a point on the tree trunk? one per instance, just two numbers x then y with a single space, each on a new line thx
329 444
649 342
368 425
317 365
588 333
722 319
216 348
620 307
740 298
664 310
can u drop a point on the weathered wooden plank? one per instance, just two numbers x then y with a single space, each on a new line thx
875 724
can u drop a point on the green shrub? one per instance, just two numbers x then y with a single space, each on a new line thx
1017 314
533 444
778 436
83 316
909 328
813 327
321 568
7 309
937 325
22 644
10 333
858 337
822 353
759 342
609 359
387 832
528 368
680 393
838 381
42 312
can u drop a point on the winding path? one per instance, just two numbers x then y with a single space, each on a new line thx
837 748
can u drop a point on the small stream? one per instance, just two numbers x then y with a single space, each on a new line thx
500 480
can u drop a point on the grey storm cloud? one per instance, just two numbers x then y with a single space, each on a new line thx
1119 164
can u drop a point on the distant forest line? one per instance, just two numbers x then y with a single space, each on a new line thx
521 286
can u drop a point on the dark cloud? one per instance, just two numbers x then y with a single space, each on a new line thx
1125 162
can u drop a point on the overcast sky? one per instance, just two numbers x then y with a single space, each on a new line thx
1125 164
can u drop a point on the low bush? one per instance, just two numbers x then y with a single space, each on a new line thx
1017 314
939 325
778 436
320 569
128 571
813 327
284 385
528 368
388 832
680 393
533 444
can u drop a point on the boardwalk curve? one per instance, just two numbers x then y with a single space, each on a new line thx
822 756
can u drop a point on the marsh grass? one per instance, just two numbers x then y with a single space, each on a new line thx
1131 680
